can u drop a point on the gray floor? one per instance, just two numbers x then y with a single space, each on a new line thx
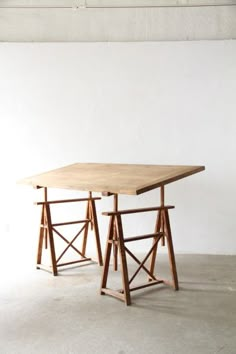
66 315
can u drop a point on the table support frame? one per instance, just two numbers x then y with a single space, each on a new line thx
48 230
116 239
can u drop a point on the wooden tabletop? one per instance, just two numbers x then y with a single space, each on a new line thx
111 178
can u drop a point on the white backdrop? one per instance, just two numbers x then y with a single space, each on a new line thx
157 103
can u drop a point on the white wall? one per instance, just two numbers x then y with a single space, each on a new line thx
158 103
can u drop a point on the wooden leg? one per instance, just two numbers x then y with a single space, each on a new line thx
107 255
154 253
85 236
163 225
96 231
41 237
171 251
91 215
51 240
115 248
90 211
124 268
162 195
45 221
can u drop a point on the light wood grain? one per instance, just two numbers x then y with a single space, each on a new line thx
112 178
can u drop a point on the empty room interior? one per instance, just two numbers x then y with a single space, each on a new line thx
118 145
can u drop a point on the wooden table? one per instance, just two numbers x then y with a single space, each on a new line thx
112 178
115 179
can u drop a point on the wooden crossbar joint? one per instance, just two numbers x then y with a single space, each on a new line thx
141 264
107 194
69 244
113 293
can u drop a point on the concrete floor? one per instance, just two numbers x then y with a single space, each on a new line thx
42 314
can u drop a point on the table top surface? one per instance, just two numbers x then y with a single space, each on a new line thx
111 178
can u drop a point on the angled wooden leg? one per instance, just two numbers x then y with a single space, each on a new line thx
96 230
85 235
171 250
91 214
124 268
90 211
154 252
162 195
115 248
45 222
41 237
51 240
159 227
107 255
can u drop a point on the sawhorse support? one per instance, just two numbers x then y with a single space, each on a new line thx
116 239
48 229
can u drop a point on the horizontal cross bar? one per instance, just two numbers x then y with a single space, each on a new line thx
71 222
140 210
142 237
145 285
73 262
142 286
67 201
